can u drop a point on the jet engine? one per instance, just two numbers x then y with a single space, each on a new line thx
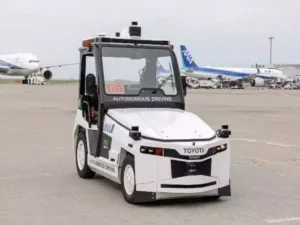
257 82
47 74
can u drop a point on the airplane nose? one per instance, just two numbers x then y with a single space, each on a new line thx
34 66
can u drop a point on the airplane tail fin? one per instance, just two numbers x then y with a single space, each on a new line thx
160 68
187 59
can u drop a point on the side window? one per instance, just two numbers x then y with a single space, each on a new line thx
90 65
87 67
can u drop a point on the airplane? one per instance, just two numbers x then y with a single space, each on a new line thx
160 69
27 64
191 78
24 64
163 73
255 76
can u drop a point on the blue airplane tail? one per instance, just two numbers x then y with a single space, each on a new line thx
187 59
160 68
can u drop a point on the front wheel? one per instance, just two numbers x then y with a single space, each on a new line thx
128 180
83 169
213 198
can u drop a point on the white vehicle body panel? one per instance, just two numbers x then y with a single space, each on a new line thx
152 171
164 123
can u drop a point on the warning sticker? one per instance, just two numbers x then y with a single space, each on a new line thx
114 88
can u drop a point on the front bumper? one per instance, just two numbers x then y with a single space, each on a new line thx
175 190
165 177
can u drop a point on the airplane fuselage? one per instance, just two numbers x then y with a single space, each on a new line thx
247 74
237 73
265 73
19 64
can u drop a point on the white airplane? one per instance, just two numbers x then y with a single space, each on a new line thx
255 76
24 64
164 73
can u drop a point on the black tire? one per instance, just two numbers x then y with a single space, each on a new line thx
85 172
128 198
213 198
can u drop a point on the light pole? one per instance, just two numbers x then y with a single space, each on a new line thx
271 40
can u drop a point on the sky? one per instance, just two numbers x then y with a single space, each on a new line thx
216 32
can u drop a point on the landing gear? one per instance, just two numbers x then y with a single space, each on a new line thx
25 81
34 80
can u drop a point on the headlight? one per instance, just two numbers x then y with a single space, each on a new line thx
216 149
151 150
222 147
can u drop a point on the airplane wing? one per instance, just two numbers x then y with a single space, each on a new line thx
193 75
3 69
252 76
59 65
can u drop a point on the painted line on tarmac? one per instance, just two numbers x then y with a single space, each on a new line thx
232 139
266 142
282 220
271 162
29 176
29 131
32 146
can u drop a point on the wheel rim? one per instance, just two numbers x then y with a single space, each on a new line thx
80 155
129 179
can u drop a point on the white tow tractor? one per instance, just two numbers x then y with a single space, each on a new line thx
135 131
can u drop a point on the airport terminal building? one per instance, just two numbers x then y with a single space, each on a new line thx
291 70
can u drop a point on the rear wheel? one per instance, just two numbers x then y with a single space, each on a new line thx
83 169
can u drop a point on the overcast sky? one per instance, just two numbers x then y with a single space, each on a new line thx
217 32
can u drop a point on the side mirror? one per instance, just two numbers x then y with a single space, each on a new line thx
90 84
184 85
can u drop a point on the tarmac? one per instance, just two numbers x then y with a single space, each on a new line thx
39 184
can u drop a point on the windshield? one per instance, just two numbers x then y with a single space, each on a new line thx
128 70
